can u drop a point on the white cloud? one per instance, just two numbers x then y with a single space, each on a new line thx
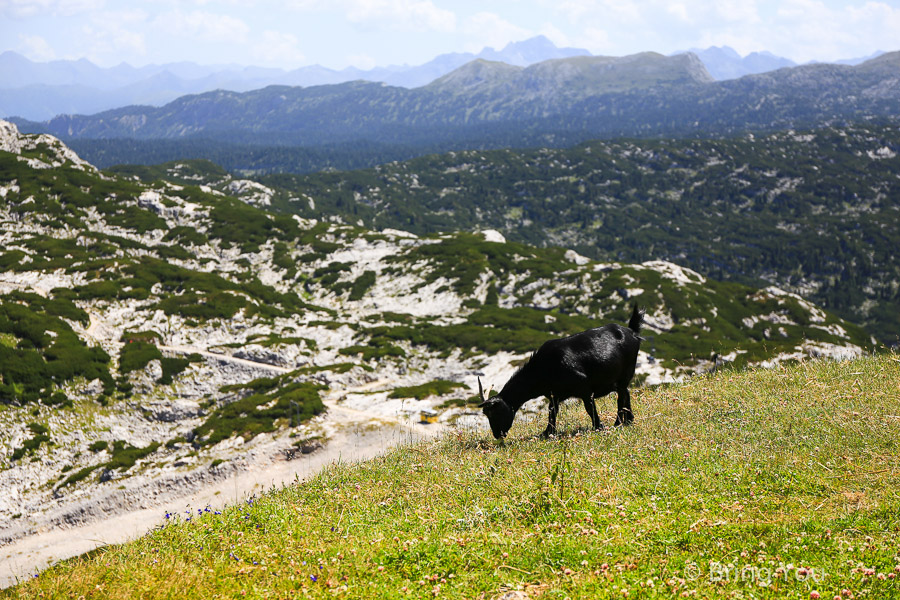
203 26
621 11
745 12
63 8
555 35
108 43
402 14
36 48
410 15
111 35
362 61
811 30
596 40
277 48
679 11
489 29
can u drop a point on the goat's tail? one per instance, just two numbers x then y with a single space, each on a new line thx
636 320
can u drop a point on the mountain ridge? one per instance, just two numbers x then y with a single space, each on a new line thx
487 105
23 81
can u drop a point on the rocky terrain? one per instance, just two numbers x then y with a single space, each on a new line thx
158 336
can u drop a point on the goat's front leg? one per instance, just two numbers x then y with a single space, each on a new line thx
624 416
551 421
591 409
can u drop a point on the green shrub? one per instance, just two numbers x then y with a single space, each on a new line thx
376 349
78 475
124 455
171 368
135 355
257 413
40 435
59 399
438 387
361 285
98 446
47 352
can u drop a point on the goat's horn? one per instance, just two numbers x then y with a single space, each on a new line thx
480 391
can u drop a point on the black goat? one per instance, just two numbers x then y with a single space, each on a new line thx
586 365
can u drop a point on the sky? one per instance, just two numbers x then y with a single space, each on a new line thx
365 33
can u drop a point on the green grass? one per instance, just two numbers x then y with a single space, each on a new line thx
761 473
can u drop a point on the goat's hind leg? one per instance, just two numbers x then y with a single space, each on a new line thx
624 416
591 407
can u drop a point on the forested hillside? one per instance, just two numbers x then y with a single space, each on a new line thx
815 212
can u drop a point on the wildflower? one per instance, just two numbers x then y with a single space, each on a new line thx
814 595
313 578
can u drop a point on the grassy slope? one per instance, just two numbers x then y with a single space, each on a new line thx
760 469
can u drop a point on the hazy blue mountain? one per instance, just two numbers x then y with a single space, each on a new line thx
80 87
491 104
456 106
98 89
860 60
725 63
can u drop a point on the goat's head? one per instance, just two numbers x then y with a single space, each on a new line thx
498 412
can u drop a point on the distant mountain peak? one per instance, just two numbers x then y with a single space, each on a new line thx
531 51
578 75
725 63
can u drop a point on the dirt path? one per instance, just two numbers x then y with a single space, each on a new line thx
225 358
354 440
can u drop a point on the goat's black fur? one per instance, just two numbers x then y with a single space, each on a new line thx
587 365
